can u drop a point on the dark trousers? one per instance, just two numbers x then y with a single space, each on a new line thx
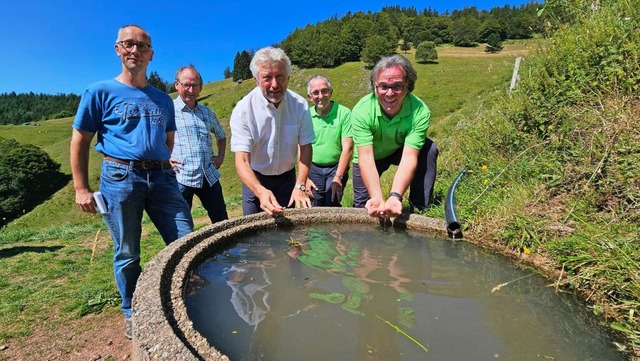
423 179
322 177
211 198
281 185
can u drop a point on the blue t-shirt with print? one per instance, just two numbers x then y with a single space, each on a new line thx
131 123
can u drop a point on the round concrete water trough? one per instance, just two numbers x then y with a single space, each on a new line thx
162 329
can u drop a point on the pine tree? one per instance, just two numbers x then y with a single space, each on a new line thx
405 44
158 82
494 43
241 68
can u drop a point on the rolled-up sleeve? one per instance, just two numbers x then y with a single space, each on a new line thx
241 139
307 135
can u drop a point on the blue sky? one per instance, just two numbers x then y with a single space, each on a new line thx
61 46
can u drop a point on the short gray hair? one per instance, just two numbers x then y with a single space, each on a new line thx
146 33
386 62
185 67
317 77
269 55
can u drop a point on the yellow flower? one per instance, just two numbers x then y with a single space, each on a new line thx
485 181
484 168
526 250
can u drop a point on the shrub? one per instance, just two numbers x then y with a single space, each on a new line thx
27 176
426 52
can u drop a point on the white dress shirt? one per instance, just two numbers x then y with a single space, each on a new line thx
271 135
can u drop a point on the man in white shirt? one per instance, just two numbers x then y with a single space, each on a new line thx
269 127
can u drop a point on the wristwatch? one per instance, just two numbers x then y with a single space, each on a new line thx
396 194
301 187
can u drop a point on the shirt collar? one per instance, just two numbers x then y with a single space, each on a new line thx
314 112
267 103
180 104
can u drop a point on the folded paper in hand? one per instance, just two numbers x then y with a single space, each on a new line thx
102 205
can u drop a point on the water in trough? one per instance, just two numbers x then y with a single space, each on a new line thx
359 292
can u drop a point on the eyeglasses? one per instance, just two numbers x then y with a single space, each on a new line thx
324 91
187 86
128 45
395 88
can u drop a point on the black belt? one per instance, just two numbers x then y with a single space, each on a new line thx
324 165
274 175
142 164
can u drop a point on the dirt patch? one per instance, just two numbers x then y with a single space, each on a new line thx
92 337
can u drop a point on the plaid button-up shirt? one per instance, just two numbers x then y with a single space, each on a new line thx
193 144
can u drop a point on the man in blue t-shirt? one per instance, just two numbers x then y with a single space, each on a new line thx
135 125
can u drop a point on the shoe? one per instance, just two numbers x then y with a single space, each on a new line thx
128 328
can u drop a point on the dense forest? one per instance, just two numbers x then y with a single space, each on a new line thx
356 36
26 108
367 36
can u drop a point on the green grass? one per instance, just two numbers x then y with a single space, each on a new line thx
53 267
535 197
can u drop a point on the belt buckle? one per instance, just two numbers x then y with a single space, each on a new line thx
147 164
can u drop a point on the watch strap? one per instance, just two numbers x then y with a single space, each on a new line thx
396 194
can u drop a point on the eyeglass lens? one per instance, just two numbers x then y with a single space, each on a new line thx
128 45
324 91
189 86
396 88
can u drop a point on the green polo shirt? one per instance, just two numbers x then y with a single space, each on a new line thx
370 126
330 130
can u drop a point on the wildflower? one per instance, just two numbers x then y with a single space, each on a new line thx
484 168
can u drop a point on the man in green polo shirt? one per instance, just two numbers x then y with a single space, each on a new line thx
389 126
333 146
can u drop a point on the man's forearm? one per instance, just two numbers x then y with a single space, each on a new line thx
222 145
304 163
79 160
406 169
345 156
170 141
369 172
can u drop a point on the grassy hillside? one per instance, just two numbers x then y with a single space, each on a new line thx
462 77
72 250
561 194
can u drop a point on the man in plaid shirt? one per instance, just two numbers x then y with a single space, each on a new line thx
193 160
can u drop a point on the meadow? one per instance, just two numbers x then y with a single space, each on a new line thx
55 261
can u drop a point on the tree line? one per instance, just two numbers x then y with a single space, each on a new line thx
31 107
27 108
356 36
365 37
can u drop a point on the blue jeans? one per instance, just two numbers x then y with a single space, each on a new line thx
128 192
322 177
423 178
211 198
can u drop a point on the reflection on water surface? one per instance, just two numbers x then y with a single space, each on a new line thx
356 292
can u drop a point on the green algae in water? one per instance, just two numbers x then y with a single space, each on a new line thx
335 298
